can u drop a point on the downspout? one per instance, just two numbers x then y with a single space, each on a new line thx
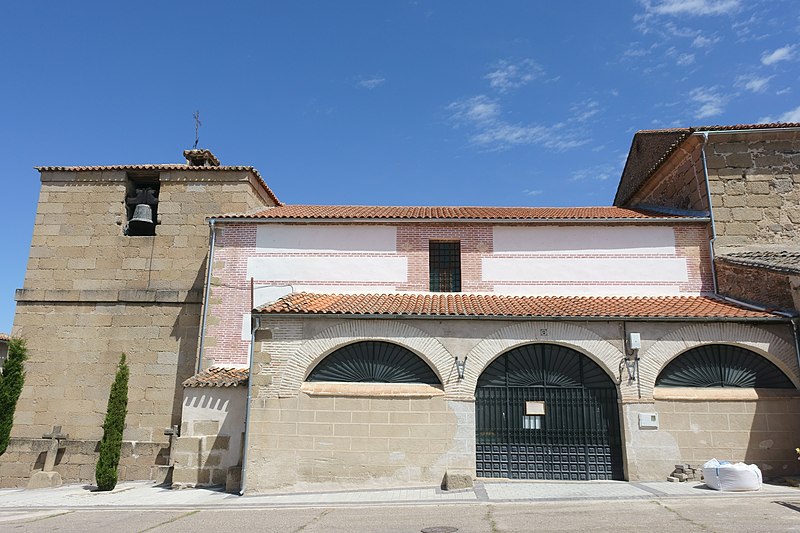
255 326
206 293
711 252
796 329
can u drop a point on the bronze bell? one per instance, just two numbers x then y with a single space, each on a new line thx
142 218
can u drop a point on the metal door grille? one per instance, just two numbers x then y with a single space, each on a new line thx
579 437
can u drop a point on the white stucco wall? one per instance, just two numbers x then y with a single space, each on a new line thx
304 238
585 240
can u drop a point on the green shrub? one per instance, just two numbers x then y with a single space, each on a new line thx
111 445
11 381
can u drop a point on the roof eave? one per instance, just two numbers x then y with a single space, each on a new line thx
774 319
630 220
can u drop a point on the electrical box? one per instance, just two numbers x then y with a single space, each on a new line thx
634 341
648 420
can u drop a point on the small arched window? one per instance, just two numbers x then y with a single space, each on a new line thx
722 365
373 362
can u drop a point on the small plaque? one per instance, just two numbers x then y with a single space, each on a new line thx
534 408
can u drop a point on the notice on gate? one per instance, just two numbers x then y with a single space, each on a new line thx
534 408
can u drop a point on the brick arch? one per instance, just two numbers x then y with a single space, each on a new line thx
315 349
572 336
671 345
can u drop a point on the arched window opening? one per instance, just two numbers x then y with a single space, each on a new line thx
722 365
373 362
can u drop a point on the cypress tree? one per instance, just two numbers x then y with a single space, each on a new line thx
11 381
111 444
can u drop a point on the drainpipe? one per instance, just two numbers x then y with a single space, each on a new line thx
796 329
206 293
255 326
710 214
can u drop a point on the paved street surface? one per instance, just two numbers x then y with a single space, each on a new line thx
490 507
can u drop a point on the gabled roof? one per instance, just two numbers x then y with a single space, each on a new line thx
364 212
650 148
166 167
218 377
491 305
781 261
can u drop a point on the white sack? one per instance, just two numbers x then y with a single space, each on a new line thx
727 476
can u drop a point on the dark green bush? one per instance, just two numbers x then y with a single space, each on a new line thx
11 381
111 445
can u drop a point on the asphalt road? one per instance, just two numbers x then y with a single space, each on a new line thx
664 516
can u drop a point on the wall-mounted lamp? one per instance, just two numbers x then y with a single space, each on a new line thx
460 364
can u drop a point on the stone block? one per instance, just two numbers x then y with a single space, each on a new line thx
45 480
233 479
456 481
739 160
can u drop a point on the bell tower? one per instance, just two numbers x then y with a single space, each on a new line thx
117 264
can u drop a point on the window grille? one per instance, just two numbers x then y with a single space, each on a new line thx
373 362
722 365
445 266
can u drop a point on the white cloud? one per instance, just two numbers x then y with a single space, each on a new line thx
491 132
478 109
710 101
691 7
789 116
583 111
785 90
701 41
532 192
507 75
781 54
371 83
602 172
753 83
685 59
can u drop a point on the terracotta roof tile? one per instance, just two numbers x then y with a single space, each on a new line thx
460 304
452 213
165 167
218 377
4 337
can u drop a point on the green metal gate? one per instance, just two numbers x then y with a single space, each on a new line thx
577 437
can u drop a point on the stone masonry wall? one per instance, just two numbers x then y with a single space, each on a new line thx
91 293
358 440
755 284
74 351
678 183
76 460
761 431
755 188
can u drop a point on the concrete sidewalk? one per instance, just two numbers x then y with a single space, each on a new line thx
146 495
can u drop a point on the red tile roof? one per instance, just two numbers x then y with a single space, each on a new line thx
460 304
166 167
452 213
4 337
218 377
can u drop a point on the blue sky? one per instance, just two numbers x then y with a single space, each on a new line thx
399 103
